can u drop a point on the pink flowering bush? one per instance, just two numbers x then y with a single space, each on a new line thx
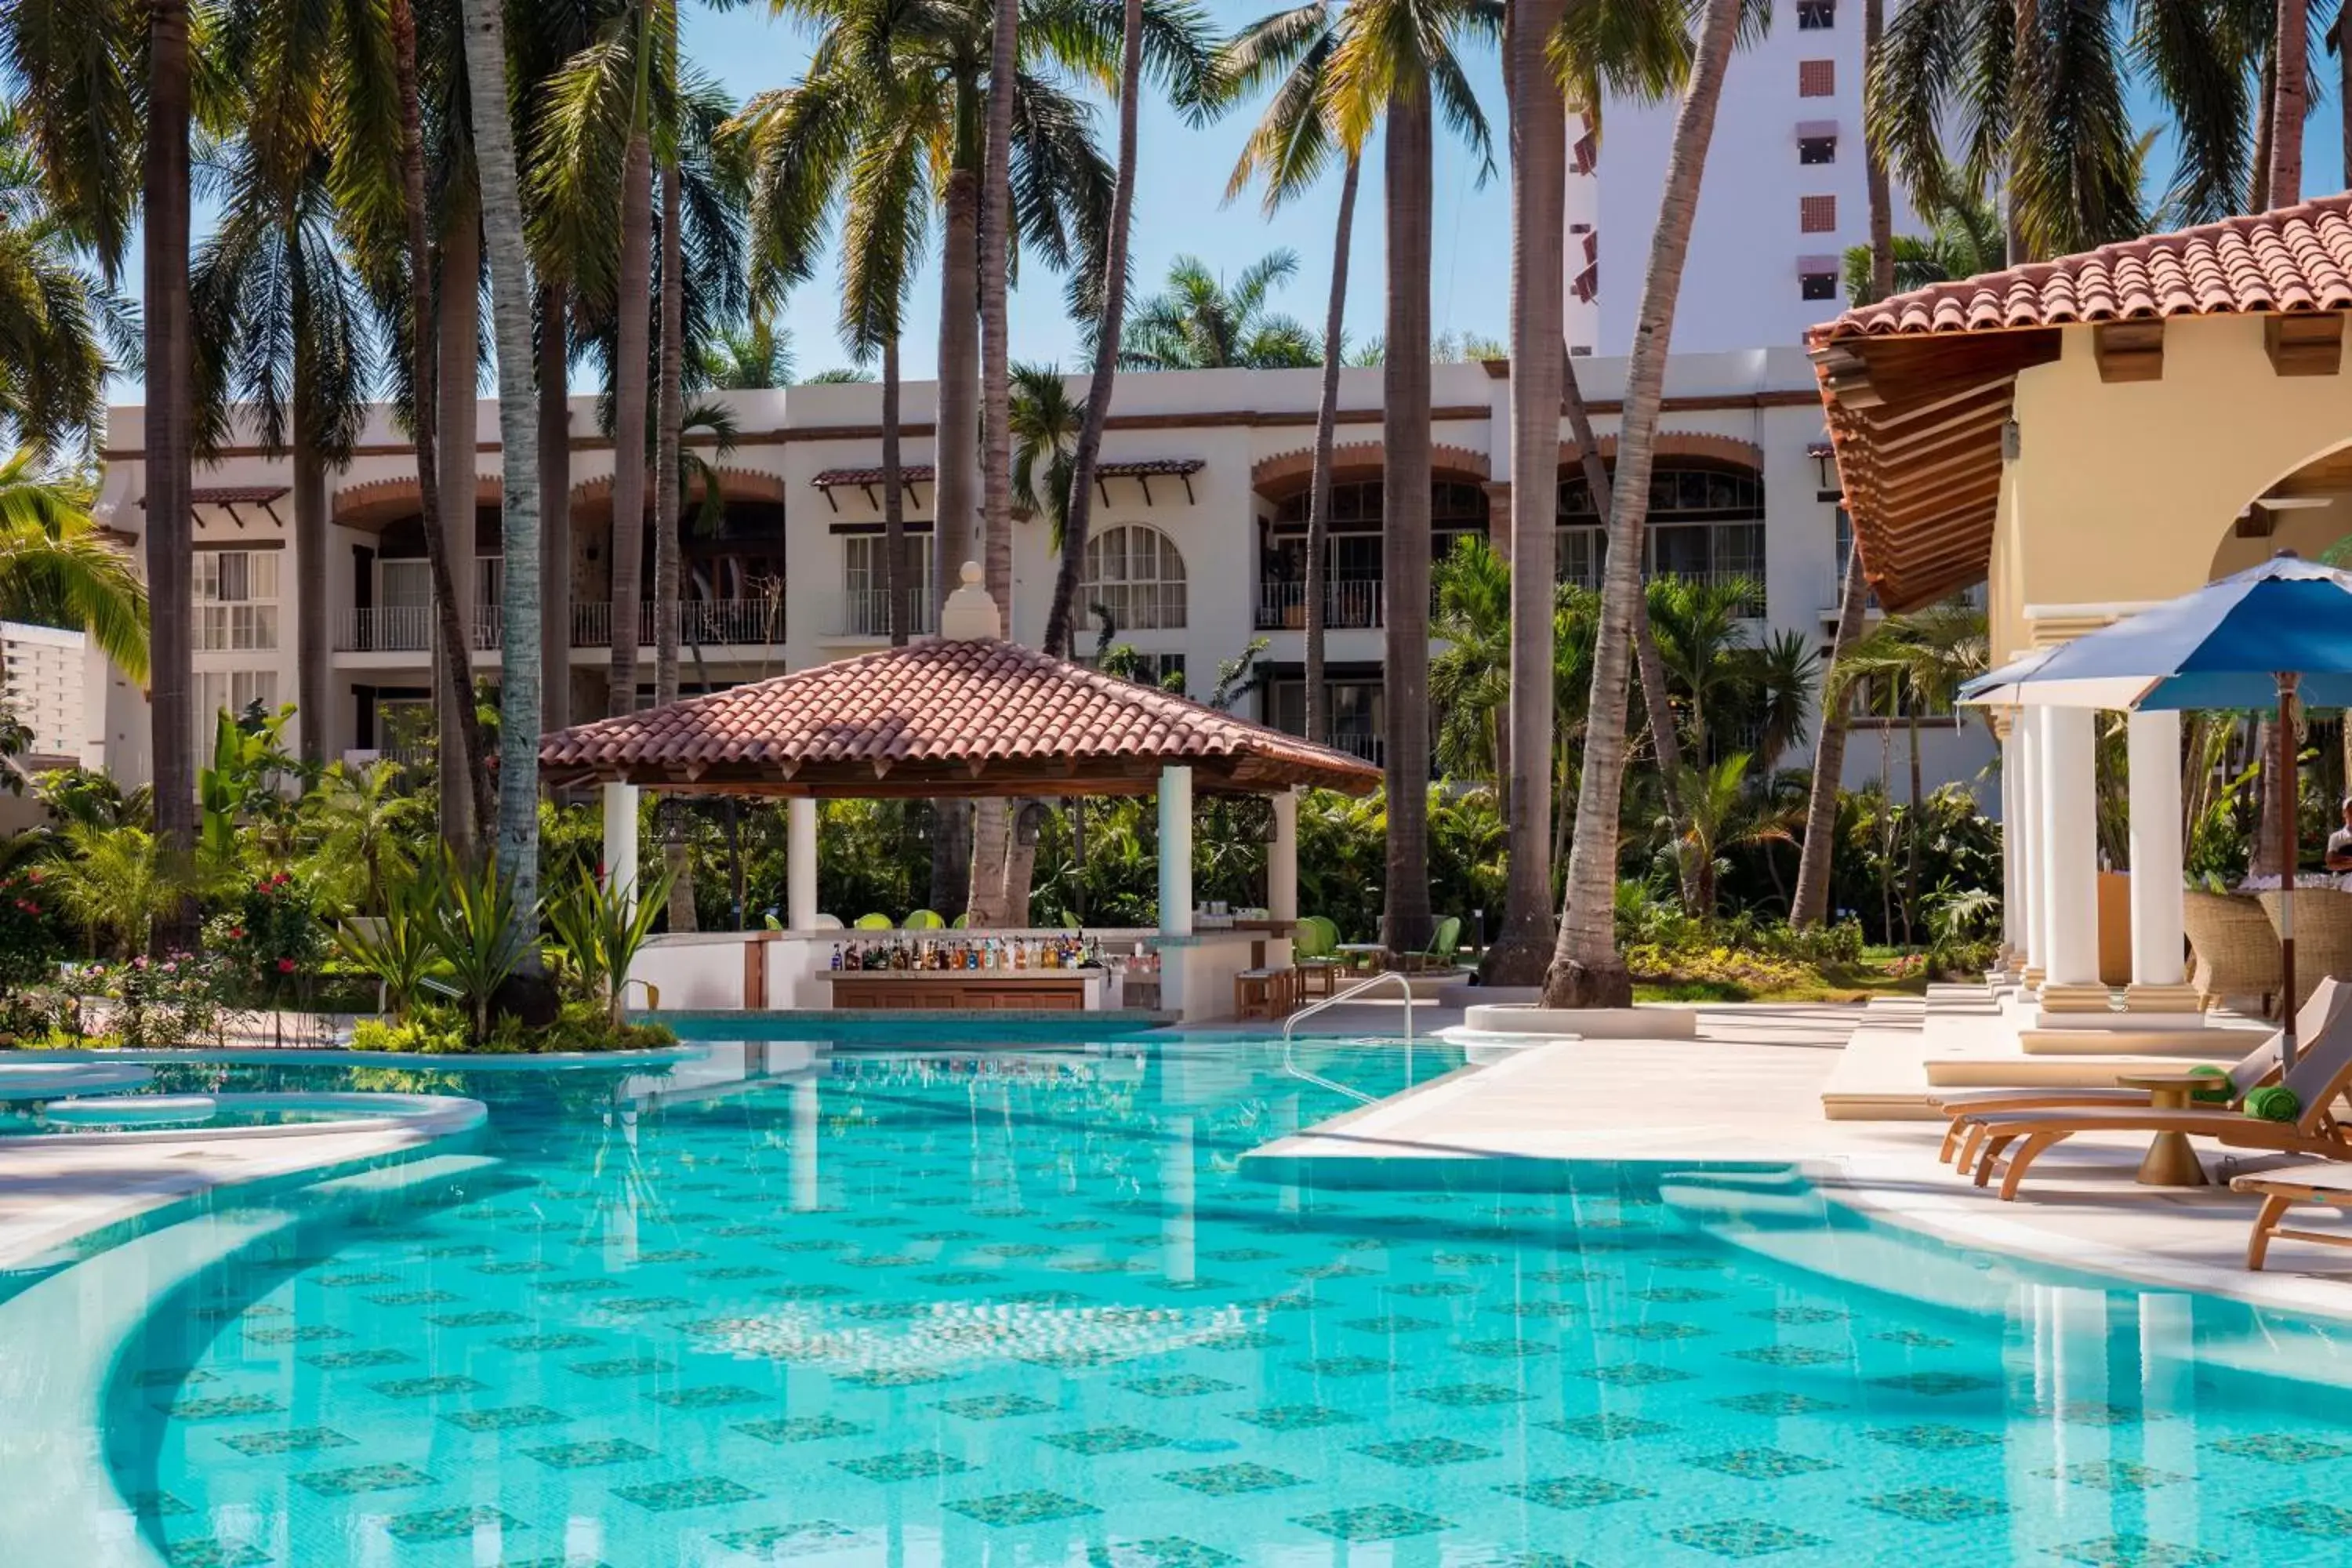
272 942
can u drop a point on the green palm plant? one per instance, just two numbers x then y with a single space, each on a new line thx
397 947
1778 677
1469 680
279 322
1044 423
2033 98
1198 322
1720 814
1396 64
59 568
93 82
1702 631
363 831
62 328
1964 238
115 885
1288 150
478 932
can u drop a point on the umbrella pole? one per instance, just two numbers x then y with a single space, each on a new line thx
2287 834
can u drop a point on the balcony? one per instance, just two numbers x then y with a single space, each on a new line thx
866 613
1349 603
702 623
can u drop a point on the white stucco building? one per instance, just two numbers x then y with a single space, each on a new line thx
1198 540
54 684
1783 195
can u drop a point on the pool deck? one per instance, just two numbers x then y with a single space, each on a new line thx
1751 1088
55 1190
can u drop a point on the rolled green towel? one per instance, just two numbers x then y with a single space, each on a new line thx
2221 1093
2276 1102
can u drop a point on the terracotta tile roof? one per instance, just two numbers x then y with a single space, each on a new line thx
2295 259
909 473
941 717
1149 467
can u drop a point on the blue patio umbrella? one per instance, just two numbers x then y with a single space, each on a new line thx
2268 634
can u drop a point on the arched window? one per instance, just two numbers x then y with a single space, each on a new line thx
1706 523
1134 571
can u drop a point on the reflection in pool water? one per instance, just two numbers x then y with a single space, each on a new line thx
1031 1309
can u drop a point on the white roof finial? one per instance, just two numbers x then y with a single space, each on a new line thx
969 615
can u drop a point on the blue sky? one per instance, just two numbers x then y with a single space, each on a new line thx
1181 209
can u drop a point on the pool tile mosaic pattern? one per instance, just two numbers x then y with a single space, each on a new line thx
1027 1311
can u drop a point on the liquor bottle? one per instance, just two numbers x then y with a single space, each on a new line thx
836 955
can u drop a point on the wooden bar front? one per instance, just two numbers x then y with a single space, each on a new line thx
982 991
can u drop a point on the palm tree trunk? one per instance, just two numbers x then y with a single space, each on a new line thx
2029 54
1059 623
668 584
466 810
992 871
2341 36
170 463
2266 133
1666 740
518 655
1327 424
633 305
2291 54
1813 900
1874 175
1404 536
453 688
1587 969
1522 949
952 506
895 586
555 505
312 662
1911 850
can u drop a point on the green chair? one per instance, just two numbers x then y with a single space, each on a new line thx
962 921
771 922
1315 951
875 923
926 920
1440 953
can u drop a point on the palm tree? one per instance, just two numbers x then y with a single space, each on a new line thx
1396 59
1108 329
1292 143
511 316
1965 239
1918 662
2034 96
2289 75
754 356
1587 969
280 323
78 72
1720 816
1702 634
57 568
364 835
1198 323
1470 684
61 326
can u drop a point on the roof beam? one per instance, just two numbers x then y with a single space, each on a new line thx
2305 344
2130 351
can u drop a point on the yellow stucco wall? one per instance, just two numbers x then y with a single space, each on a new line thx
2125 492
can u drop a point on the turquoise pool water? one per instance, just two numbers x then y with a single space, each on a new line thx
1028 1308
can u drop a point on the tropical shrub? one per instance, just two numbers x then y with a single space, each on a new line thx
478 934
580 1028
598 935
394 949
272 942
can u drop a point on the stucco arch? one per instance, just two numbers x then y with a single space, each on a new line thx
1278 475
379 501
1702 444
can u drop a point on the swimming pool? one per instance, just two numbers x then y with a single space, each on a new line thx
1031 1308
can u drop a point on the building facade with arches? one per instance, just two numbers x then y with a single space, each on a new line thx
1195 558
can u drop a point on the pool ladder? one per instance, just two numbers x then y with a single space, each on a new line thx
1289 1058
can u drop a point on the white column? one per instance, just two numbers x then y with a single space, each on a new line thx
2160 978
799 864
2013 851
2071 862
1176 851
1282 859
621 841
2036 917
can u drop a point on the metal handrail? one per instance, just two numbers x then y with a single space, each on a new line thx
1290 1063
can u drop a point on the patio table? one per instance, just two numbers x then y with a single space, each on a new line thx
1362 956
2170 1161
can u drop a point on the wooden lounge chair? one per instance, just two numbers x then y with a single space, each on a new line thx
2329 1186
2321 1074
1971 1111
